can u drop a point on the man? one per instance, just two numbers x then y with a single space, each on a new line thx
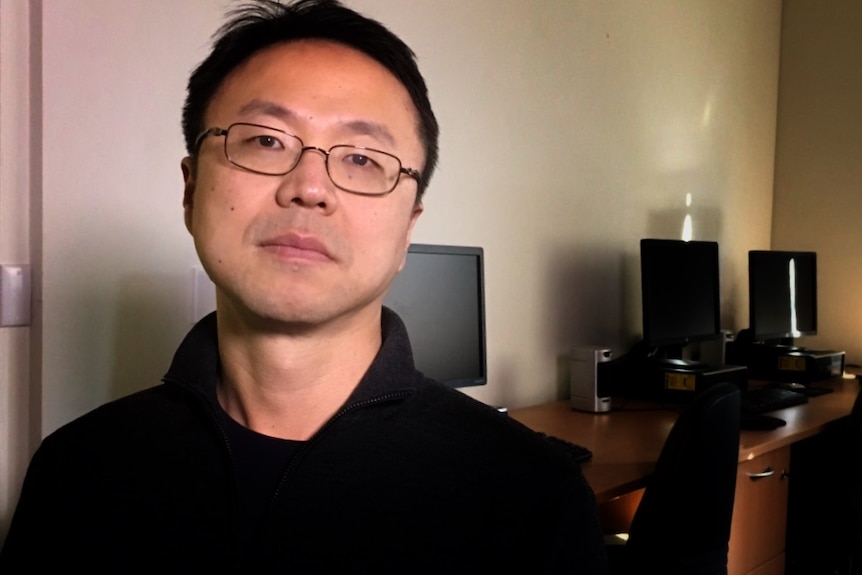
292 431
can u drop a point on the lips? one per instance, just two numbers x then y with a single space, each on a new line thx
295 245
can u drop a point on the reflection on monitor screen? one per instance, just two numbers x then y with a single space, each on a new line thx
440 297
782 294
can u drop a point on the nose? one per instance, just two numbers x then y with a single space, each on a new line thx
308 184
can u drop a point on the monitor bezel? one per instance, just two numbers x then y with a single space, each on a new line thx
649 322
478 253
784 336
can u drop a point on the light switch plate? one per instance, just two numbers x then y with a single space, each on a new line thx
15 295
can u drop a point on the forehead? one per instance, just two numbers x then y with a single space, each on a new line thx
321 84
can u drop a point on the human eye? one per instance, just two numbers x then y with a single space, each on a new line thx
266 142
361 161
363 170
255 139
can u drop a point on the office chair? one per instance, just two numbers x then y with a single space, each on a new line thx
682 523
852 528
824 508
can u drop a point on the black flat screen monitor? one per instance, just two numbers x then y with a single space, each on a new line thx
680 292
441 299
782 295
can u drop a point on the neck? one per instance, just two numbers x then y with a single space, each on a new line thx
288 383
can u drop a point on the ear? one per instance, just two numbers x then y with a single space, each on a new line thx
418 208
188 191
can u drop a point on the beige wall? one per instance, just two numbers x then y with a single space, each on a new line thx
818 163
570 130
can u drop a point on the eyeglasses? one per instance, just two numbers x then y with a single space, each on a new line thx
273 152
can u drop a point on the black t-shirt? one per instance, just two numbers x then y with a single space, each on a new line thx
259 462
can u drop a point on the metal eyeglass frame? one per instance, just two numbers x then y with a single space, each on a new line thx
216 131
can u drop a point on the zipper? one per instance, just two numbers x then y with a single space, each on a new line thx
294 461
203 403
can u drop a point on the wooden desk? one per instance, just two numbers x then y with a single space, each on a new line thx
626 443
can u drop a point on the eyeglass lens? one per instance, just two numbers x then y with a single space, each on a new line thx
273 152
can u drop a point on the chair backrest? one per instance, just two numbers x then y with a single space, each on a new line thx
682 524
852 476
854 435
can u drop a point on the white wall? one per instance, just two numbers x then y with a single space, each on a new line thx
117 258
570 129
818 171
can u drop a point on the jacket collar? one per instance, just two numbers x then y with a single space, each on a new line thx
196 363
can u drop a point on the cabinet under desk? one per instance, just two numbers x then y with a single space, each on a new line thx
626 443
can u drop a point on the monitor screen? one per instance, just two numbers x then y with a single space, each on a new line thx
782 294
680 291
440 297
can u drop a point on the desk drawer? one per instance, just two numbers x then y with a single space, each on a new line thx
760 515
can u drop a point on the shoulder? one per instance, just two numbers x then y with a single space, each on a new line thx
464 414
126 444
464 445
439 417
121 477
128 409
141 419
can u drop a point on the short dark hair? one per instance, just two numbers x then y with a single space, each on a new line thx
260 24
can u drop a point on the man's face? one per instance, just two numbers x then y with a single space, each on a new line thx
295 249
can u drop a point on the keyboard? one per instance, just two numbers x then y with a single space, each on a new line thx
577 452
807 390
765 399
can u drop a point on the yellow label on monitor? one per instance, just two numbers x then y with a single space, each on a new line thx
791 363
679 381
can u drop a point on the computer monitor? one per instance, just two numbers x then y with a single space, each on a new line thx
680 294
441 299
782 295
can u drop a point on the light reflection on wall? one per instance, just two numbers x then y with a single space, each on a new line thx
687 232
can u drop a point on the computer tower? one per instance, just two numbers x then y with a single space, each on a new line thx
778 363
586 385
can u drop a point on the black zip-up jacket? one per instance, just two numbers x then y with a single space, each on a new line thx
410 476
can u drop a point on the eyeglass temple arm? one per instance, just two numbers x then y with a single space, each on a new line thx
209 132
412 173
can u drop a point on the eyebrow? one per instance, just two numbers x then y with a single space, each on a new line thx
358 127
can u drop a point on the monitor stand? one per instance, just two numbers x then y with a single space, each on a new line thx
783 345
778 345
677 364
655 374
672 358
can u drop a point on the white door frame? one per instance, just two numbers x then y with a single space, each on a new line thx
20 57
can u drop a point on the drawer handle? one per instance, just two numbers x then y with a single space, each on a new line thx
768 472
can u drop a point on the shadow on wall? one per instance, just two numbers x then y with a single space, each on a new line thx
594 294
505 380
731 292
150 323
582 306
